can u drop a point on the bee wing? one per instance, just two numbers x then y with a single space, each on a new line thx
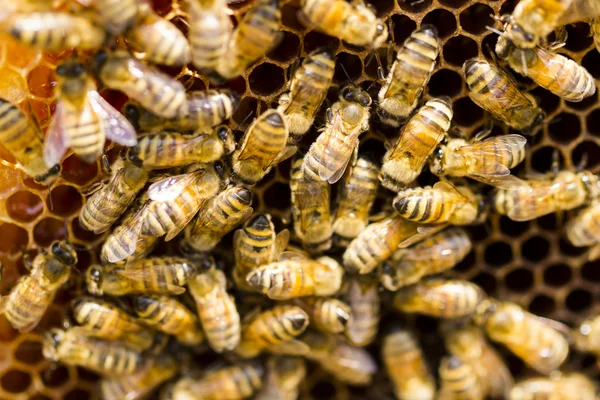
169 188
292 255
56 141
506 182
452 196
532 203
129 243
281 242
292 347
415 160
116 127
335 158
139 274
422 232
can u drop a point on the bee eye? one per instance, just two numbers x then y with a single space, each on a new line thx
61 70
347 94
364 100
96 275
223 133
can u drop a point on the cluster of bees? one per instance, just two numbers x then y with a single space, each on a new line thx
186 177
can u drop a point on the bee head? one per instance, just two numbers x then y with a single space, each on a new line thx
518 35
436 165
49 177
226 137
355 94
64 252
70 69
94 279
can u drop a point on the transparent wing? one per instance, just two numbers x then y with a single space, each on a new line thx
56 141
169 188
452 197
404 149
334 158
532 201
116 127
506 182
138 274
486 156
292 347
422 232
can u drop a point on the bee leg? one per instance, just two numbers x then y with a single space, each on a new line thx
560 217
561 39
105 164
593 254
555 162
3 303
484 133
583 162
27 261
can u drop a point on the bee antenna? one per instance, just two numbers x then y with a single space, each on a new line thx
245 119
50 198
347 76
496 31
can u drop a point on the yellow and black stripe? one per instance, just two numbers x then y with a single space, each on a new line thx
459 381
276 326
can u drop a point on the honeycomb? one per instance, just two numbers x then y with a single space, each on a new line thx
529 263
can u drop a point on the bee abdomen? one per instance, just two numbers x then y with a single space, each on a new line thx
208 36
424 206
14 126
458 380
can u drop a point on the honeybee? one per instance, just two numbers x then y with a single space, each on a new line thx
329 155
21 136
469 345
566 191
440 298
552 71
573 386
257 33
256 244
539 342
595 27
158 92
110 199
431 256
218 217
355 199
54 31
363 253
327 314
276 327
103 356
283 380
485 160
362 295
82 118
295 275
262 146
157 39
354 23
310 210
235 382
442 203
308 89
216 308
136 386
494 91
117 16
458 380
169 316
418 139
406 366
409 74
201 112
29 299
349 364
105 320
171 149
583 230
159 275
579 10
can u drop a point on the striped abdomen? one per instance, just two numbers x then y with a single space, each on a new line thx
107 320
160 41
253 38
154 372
103 356
584 229
255 247
329 16
207 109
410 73
440 252
27 304
424 205
160 218
117 15
210 30
363 299
459 381
85 132
240 381
286 279
276 326
595 26
166 150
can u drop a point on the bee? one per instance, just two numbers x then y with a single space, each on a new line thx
29 299
362 295
329 155
415 61
256 244
157 39
308 89
174 200
54 31
573 386
584 230
406 366
117 16
295 275
440 298
219 216
579 10
158 92
458 380
106 357
201 112
327 314
539 342
111 198
262 146
469 345
217 311
363 253
159 275
310 210
209 31
403 163
431 256
494 91
257 33
485 160
169 316
82 118
587 336
235 382
566 191
171 149
105 320
595 27
354 23
349 364
552 71
442 203
272 328
136 386
284 377
21 136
